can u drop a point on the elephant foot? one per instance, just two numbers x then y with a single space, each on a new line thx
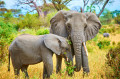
77 69
85 74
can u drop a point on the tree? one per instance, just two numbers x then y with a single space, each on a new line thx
60 4
4 10
32 4
105 3
106 17
2 7
90 5
44 2
85 4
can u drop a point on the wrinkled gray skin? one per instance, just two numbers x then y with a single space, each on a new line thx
106 34
28 49
78 27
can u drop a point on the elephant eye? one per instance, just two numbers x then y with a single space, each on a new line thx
68 25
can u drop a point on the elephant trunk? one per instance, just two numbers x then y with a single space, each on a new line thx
77 44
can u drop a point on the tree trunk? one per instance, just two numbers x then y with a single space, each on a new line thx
44 2
103 8
38 10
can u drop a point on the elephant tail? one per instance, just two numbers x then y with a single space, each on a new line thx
9 61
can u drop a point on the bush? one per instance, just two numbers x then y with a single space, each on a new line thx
7 34
30 21
102 44
42 31
113 60
117 19
112 29
6 29
27 31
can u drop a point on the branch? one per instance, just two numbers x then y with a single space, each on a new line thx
85 3
103 8
55 6
25 2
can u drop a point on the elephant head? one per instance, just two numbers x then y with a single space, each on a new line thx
80 27
59 46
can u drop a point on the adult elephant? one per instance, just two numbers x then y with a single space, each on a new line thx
78 27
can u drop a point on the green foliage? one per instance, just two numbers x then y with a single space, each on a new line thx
8 15
113 43
69 68
90 8
106 17
7 34
6 29
102 44
107 30
28 31
117 19
113 60
69 42
60 4
42 31
95 39
30 21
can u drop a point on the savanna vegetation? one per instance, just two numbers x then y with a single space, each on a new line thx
104 53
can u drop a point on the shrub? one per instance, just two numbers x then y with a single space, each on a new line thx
112 29
103 44
113 43
113 60
42 31
7 34
6 29
28 31
30 21
117 19
118 43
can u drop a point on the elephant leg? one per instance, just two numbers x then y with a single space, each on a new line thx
44 72
85 61
59 63
24 70
48 69
48 64
16 72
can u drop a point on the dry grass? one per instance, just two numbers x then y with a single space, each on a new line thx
96 63
97 58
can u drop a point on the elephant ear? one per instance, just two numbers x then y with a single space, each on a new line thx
52 42
93 26
58 24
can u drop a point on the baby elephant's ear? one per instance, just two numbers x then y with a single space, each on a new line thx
52 42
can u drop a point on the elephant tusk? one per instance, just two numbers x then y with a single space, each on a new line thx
85 48
67 59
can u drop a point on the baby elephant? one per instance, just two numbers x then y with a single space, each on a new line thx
28 49
106 34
